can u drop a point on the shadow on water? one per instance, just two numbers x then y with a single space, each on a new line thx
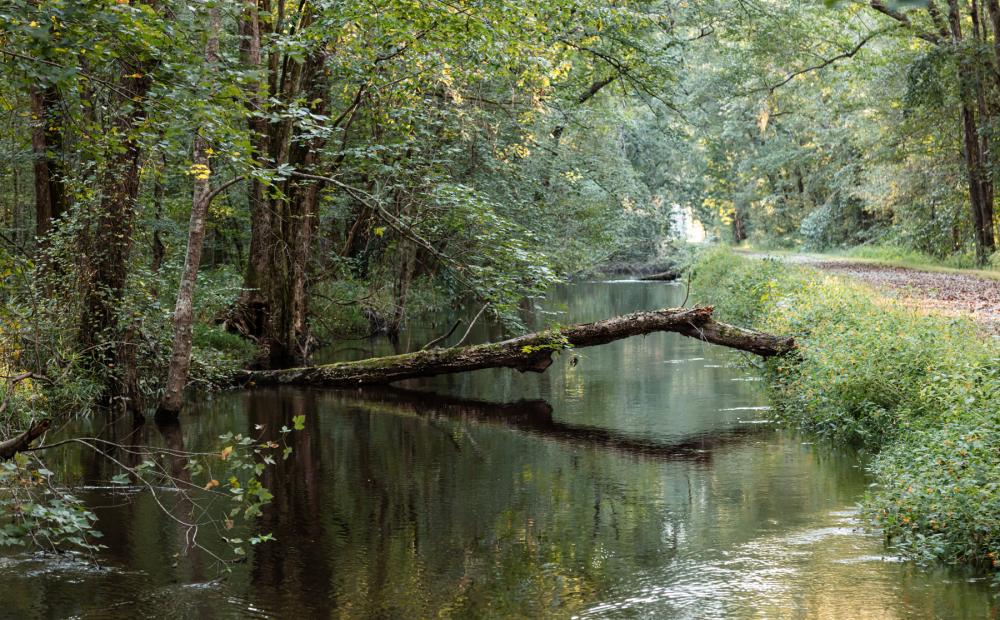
535 417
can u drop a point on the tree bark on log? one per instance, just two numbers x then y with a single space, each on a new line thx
663 276
529 353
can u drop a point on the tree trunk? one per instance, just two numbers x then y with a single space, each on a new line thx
663 276
180 356
280 283
302 221
273 308
975 148
529 353
247 316
158 250
46 139
986 112
739 229
100 334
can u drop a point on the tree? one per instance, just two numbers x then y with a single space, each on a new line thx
180 356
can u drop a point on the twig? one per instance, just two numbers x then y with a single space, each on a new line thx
215 192
902 18
444 337
472 324
688 291
79 72
828 61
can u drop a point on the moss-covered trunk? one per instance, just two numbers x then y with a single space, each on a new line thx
529 353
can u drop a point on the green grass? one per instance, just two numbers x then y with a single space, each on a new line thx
921 392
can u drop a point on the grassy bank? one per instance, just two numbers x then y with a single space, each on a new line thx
894 256
921 392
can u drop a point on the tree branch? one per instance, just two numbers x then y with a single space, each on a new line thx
904 19
827 62
19 443
442 337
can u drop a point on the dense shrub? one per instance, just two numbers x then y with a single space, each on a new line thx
922 392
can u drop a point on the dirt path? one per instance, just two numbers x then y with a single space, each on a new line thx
948 293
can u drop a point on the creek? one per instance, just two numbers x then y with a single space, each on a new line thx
643 478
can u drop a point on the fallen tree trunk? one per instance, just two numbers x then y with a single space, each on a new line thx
663 276
529 353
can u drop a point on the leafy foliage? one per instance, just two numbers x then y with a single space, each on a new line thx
366 160
920 391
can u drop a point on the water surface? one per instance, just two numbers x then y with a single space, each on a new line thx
637 479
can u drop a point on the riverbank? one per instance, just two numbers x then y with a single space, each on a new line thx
919 390
888 256
936 289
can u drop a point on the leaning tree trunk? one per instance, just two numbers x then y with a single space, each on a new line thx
19 443
529 353
664 276
180 356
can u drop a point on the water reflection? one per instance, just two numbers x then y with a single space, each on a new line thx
535 417
635 483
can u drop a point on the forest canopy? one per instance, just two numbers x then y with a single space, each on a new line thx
189 188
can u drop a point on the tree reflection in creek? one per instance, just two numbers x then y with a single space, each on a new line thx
631 485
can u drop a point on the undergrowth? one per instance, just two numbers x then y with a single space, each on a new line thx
920 392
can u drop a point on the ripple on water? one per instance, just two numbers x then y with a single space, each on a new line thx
759 408
774 574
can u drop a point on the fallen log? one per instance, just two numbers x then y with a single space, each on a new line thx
19 443
663 276
529 353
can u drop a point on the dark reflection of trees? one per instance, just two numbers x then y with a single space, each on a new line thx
535 417
389 507
115 508
123 435
183 506
298 556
